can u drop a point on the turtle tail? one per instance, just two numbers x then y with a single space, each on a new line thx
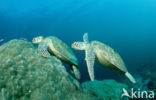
75 71
130 77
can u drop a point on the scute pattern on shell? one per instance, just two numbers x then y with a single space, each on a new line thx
110 54
63 48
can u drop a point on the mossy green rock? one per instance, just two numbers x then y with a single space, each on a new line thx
106 89
25 75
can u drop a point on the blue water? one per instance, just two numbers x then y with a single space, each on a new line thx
128 26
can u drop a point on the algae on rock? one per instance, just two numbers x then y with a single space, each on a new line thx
25 75
106 89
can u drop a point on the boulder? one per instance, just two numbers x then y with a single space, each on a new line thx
26 75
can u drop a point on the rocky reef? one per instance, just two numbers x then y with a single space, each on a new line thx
25 75
147 77
145 80
106 89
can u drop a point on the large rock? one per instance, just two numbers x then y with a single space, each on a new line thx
25 75
106 89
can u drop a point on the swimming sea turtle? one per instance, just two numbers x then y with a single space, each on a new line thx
53 46
103 54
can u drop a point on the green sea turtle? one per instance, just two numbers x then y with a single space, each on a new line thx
53 46
103 54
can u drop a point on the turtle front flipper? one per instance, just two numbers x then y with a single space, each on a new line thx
43 49
90 59
85 38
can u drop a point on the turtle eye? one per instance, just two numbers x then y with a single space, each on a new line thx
35 40
76 44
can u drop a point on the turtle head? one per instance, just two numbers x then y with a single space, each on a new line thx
79 45
37 39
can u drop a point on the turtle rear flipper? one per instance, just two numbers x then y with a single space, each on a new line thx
75 71
130 77
43 49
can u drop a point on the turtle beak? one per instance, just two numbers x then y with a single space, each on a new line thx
34 41
72 46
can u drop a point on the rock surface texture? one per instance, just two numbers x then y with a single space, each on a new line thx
106 89
25 75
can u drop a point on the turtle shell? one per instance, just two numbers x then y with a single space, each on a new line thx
61 50
108 57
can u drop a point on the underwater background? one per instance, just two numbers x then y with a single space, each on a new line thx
128 26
